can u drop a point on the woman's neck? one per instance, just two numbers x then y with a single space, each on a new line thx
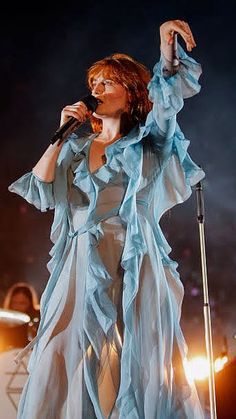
109 133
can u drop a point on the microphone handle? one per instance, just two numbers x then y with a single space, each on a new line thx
72 124
66 128
175 58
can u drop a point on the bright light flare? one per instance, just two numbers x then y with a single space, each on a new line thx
14 316
220 363
198 368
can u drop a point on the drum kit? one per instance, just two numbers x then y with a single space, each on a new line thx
14 335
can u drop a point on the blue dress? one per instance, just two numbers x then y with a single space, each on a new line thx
110 313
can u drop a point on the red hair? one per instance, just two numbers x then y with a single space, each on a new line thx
134 76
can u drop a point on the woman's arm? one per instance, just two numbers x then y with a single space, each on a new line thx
167 31
168 89
45 167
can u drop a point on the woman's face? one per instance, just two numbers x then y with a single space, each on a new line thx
112 97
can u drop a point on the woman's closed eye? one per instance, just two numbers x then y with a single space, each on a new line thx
108 82
105 82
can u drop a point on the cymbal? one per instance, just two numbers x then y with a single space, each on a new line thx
11 318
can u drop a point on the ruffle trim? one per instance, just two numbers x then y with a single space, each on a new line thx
35 191
168 93
128 154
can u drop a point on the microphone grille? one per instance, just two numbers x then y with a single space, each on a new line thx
91 102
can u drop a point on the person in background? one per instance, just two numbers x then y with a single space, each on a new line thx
22 297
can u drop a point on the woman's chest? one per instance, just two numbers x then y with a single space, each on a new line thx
96 156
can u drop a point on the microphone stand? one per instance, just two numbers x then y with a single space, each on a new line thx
200 218
206 307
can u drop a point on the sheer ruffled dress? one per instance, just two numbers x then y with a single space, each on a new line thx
109 342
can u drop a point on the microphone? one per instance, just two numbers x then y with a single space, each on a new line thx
175 58
69 126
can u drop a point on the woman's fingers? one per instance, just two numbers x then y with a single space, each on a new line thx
186 33
181 27
78 110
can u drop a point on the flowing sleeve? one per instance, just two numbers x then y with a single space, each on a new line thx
45 195
167 92
35 191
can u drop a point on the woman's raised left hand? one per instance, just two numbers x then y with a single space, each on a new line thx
167 30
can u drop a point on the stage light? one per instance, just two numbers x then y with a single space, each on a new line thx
13 329
198 368
220 363
7 316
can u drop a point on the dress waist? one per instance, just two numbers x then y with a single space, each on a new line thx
81 222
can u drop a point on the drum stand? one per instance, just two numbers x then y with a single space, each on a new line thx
206 307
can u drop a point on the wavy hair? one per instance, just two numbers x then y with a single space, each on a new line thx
134 76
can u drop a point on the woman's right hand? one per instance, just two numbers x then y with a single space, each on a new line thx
78 110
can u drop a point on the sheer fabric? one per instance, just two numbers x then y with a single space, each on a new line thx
110 343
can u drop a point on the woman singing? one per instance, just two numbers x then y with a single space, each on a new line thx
110 343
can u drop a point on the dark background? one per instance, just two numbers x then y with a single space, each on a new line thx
44 58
